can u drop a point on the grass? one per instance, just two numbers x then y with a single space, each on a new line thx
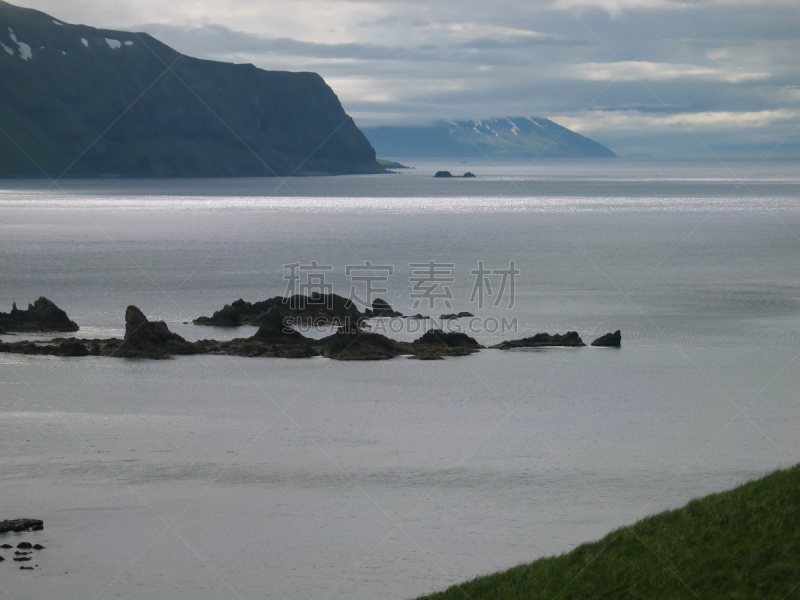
744 543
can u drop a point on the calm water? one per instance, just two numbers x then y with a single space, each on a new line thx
220 477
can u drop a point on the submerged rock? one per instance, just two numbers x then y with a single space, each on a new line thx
42 315
20 525
609 340
542 340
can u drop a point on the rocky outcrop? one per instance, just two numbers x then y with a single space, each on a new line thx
149 339
542 340
609 340
443 174
20 525
359 346
381 308
227 316
277 337
272 328
41 316
320 309
436 343
454 316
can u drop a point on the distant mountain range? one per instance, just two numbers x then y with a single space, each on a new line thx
508 137
91 102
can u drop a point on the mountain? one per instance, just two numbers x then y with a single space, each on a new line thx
505 137
123 104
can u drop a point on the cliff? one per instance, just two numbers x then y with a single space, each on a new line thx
88 102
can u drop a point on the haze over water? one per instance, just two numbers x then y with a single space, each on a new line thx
223 477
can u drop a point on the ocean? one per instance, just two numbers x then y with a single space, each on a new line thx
221 477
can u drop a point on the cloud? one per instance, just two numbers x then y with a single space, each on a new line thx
652 71
716 64
705 121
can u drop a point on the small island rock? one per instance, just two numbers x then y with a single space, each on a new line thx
609 340
43 315
570 339
20 525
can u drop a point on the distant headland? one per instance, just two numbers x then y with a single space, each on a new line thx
84 102
504 137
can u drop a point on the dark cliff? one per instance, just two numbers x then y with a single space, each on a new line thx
88 102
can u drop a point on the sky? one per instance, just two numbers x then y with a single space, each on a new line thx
662 78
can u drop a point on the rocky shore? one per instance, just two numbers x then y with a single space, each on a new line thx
276 335
24 550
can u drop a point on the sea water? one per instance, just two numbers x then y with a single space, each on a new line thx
223 477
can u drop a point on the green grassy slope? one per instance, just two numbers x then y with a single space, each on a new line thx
744 543
92 102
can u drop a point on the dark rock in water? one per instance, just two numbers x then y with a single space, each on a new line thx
21 553
42 315
609 340
1 559
22 558
381 308
273 328
6 546
443 174
149 339
24 546
468 175
20 525
542 340
69 347
451 339
38 547
359 345
227 316
453 316
27 568
318 309
437 342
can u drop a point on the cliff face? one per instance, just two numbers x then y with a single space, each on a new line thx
65 88
510 137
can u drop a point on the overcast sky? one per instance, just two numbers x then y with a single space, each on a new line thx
659 77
